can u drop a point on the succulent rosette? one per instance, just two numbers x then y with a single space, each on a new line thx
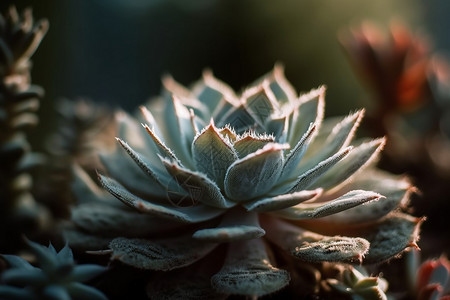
249 189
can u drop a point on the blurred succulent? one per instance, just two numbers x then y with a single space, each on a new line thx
428 280
248 183
19 212
57 277
83 128
355 282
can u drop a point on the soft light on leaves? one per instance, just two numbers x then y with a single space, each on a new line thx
247 271
255 174
213 154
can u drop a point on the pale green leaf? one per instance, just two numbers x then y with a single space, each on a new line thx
281 201
296 154
251 142
199 187
213 154
159 254
312 175
192 214
235 225
239 119
313 247
390 236
14 293
55 292
247 271
310 109
15 261
320 210
255 174
360 157
259 103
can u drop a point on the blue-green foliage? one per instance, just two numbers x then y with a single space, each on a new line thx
56 278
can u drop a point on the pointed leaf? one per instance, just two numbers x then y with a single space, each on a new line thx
86 272
357 159
313 247
281 201
199 187
162 148
247 271
309 110
23 277
239 119
250 142
312 175
46 258
395 189
15 261
213 154
280 86
235 225
391 236
347 201
259 104
65 255
14 293
160 255
296 154
255 174
192 214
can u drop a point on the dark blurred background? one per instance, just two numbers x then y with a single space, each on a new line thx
115 51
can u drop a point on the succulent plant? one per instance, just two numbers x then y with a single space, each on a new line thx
244 192
57 277
19 100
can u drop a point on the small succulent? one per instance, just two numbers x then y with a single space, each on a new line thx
355 282
241 191
57 277
19 100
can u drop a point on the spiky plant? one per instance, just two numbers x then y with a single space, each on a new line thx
19 100
242 194
57 277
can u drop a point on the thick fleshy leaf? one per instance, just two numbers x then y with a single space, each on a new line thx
199 187
162 148
213 154
247 271
255 174
281 201
296 154
45 256
119 165
54 292
390 236
153 173
251 142
320 210
309 110
235 225
107 220
395 189
357 159
79 291
280 86
312 175
313 247
210 91
24 277
193 214
260 103
15 293
131 131
15 261
65 255
239 119
277 126
160 255
86 272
